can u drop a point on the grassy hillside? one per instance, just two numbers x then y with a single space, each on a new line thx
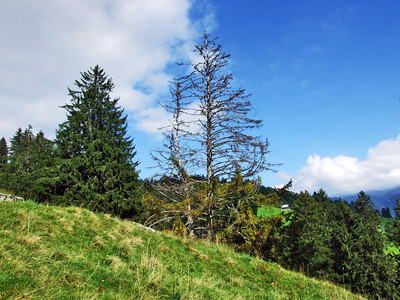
70 253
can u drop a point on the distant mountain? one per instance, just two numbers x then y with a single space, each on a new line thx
382 198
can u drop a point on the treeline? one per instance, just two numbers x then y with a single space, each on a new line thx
342 243
91 163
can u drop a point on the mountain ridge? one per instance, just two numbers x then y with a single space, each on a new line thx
381 198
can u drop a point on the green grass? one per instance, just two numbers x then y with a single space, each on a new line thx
270 211
386 222
71 253
392 249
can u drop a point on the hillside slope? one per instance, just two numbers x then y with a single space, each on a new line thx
71 253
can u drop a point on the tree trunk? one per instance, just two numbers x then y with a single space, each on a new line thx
189 224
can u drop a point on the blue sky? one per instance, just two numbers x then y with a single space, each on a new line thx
324 75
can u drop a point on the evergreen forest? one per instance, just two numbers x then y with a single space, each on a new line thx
206 186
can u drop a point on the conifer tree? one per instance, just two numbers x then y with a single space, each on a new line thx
244 230
3 162
395 235
3 152
97 169
19 166
31 169
385 212
342 242
307 243
372 271
395 238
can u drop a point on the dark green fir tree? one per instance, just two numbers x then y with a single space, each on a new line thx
3 162
385 212
395 239
395 234
31 167
306 245
3 152
343 242
97 168
372 271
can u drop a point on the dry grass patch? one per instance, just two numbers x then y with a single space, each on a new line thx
153 270
236 281
112 235
93 221
125 227
205 283
118 265
66 224
27 240
162 248
6 233
127 245
98 242
230 261
199 254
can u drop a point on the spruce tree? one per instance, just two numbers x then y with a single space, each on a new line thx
19 163
395 234
343 242
3 162
97 168
385 212
372 271
3 152
307 243
44 170
31 168
395 238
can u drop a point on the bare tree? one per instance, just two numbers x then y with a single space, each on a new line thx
222 143
171 158
174 158
223 116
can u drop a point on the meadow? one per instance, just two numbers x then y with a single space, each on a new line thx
50 252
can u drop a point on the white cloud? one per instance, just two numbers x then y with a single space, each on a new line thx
46 44
153 119
344 174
